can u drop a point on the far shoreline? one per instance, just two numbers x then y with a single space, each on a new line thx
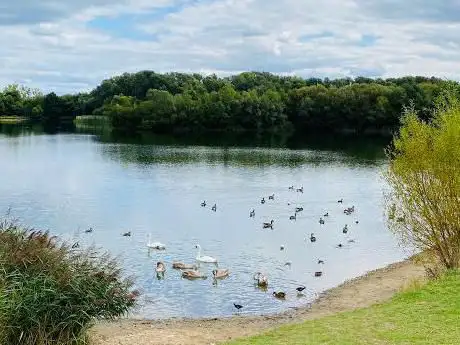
373 287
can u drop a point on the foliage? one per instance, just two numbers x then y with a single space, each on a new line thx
50 293
425 315
250 101
424 176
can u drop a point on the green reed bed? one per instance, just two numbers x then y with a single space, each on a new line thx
50 294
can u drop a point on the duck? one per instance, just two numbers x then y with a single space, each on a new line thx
193 275
288 263
214 208
252 214
326 214
279 295
294 217
300 288
182 266
282 247
321 221
312 237
88 231
161 268
220 273
320 262
268 225
271 197
340 201
291 188
351 241
357 222
298 209
204 258
203 204
127 234
318 274
261 279
345 229
340 245
155 245
300 190
262 201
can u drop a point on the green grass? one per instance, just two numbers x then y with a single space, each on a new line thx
92 121
425 315
12 119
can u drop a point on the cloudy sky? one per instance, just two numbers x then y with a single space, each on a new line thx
71 45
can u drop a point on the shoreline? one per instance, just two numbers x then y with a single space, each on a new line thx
373 287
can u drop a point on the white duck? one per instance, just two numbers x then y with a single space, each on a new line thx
155 245
204 258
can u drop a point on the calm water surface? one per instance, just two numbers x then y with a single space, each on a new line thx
70 182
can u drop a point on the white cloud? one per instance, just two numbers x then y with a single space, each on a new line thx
50 44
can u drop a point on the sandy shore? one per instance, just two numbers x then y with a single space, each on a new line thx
374 287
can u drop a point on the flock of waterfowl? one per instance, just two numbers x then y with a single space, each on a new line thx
192 272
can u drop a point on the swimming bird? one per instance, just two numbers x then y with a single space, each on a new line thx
271 197
294 217
291 188
220 273
288 263
204 258
161 268
214 208
340 245
351 241
340 201
282 247
261 279
127 234
155 245
262 201
268 225
318 274
326 214
252 214
312 237
193 275
320 262
300 288
357 222
279 295
238 306
345 229
203 204
298 209
182 266
300 190
75 245
88 231
321 221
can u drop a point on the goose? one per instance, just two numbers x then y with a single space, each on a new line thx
238 306
300 288
300 190
252 214
262 280
90 230
214 208
262 201
161 268
299 209
294 217
193 275
220 273
271 197
321 221
203 204
268 225
155 245
345 229
127 234
318 274
182 266
204 258
279 295
312 237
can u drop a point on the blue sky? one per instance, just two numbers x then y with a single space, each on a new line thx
71 46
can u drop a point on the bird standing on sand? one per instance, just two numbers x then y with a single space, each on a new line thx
300 288
238 306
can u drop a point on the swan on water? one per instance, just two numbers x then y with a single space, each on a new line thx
204 258
155 245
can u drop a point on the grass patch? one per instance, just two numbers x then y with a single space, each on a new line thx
92 121
428 315
7 120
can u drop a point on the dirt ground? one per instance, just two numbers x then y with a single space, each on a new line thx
374 287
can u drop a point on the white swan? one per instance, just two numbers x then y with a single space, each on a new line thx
204 258
155 245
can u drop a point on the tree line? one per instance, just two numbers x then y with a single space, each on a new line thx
250 101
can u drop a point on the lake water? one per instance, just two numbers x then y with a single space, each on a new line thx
70 182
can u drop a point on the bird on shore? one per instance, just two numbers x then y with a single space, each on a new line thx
127 234
238 306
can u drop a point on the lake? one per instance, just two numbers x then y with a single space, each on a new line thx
68 182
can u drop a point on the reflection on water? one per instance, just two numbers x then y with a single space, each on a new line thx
69 182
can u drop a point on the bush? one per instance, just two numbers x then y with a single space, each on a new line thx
424 176
50 294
